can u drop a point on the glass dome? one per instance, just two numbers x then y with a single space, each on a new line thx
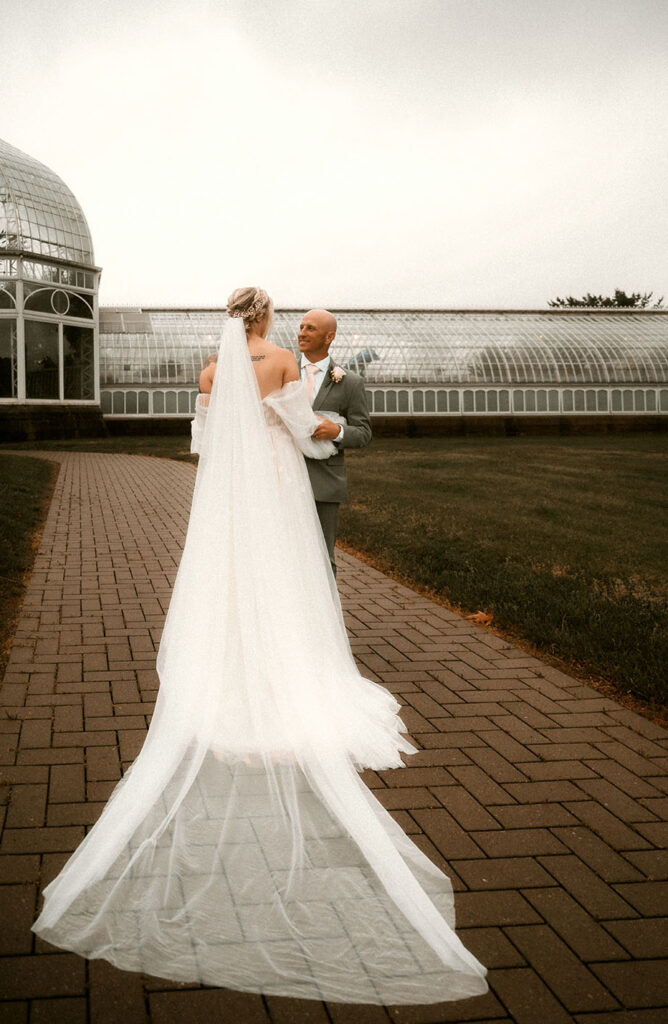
38 212
555 347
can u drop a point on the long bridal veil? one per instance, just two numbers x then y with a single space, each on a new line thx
241 849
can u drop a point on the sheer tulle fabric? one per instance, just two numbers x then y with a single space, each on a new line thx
241 849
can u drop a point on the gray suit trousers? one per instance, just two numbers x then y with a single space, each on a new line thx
328 514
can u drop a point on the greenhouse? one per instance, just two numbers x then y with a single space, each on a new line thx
48 288
414 362
145 362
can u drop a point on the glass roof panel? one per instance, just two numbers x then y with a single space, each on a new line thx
38 213
556 347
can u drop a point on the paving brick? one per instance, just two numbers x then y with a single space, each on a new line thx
196 1006
519 842
649 898
652 863
14 1012
502 872
543 792
115 995
614 832
533 816
636 983
17 912
478 783
600 857
555 770
446 834
33 977
299 1011
625 769
527 998
39 840
35 734
572 983
615 801
587 888
405 797
67 784
643 939
19 868
495 765
588 939
434 776
59 1011
27 805
102 763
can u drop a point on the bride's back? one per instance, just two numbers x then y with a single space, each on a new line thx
273 367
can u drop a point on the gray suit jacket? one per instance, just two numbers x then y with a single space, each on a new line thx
348 398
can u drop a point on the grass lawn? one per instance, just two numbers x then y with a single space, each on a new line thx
26 486
562 538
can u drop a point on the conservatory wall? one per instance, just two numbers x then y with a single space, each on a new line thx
48 289
414 363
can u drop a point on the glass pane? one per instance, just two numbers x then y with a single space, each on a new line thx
504 401
663 400
118 402
158 401
568 400
403 401
105 402
78 357
442 401
170 402
391 401
553 401
418 401
379 401
468 401
142 406
492 401
8 295
184 401
530 401
541 401
650 397
591 401
640 401
628 401
430 401
518 401
41 360
7 358
193 400
602 400
579 401
480 401
616 401
453 401
131 401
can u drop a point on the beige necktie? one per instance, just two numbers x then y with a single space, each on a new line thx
311 370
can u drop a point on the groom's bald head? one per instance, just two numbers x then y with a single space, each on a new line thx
316 333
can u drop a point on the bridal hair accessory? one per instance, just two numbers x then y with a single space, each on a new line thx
337 373
260 302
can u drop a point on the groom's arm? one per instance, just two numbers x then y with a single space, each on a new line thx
357 430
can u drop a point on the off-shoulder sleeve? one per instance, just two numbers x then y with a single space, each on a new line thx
294 409
198 424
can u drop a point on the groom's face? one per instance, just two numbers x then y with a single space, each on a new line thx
316 334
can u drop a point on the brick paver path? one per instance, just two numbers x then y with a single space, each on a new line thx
545 802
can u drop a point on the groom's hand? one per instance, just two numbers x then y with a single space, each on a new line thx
326 430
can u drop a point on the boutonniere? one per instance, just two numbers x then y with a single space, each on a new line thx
337 373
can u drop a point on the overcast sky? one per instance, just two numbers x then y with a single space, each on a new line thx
364 153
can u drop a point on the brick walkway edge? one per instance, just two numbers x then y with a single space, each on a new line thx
544 802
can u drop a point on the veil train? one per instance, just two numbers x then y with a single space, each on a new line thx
241 849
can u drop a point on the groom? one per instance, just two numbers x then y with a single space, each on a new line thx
331 389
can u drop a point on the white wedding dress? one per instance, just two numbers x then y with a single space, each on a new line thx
241 849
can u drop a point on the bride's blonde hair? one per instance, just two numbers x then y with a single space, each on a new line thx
250 304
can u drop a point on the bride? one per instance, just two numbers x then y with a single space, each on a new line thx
241 849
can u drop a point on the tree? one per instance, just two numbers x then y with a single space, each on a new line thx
620 300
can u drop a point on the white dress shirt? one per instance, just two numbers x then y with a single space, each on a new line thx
318 380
